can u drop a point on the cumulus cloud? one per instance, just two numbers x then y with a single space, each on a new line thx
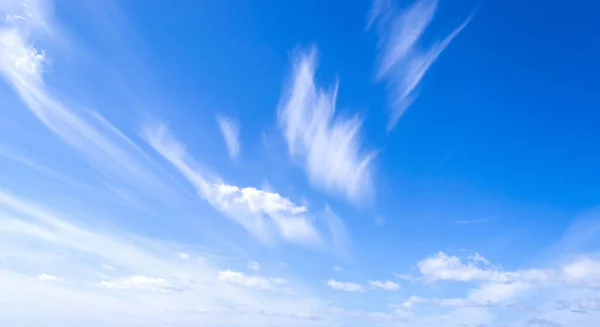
266 215
230 130
183 255
442 266
385 285
403 61
138 282
345 286
267 284
177 288
47 277
328 146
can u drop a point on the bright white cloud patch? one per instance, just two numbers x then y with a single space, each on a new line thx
267 284
385 285
402 61
47 277
177 288
266 215
231 131
183 255
329 147
345 286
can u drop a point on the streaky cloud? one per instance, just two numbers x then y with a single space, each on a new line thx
328 146
268 216
402 61
230 130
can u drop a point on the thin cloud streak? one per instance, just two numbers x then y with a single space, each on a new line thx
402 62
473 221
268 216
231 132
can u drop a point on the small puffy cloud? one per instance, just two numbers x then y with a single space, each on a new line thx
268 216
387 285
230 130
107 267
239 278
47 277
337 268
138 283
183 255
442 266
254 266
345 286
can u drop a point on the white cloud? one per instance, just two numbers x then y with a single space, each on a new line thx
47 277
22 67
402 62
265 215
268 284
498 293
329 147
138 282
583 271
107 267
345 286
183 255
254 266
231 131
441 266
177 288
387 285
336 268
410 302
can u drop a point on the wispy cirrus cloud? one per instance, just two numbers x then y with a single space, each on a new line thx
230 129
328 146
385 285
345 286
22 66
473 221
268 216
47 240
403 60
262 283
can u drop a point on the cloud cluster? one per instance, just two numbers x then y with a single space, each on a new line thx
266 215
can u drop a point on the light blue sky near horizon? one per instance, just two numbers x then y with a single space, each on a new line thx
478 206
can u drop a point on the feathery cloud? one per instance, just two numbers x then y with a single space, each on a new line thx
178 288
266 215
345 286
385 285
402 61
267 284
328 147
231 131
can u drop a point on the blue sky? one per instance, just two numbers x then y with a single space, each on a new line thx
299 163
